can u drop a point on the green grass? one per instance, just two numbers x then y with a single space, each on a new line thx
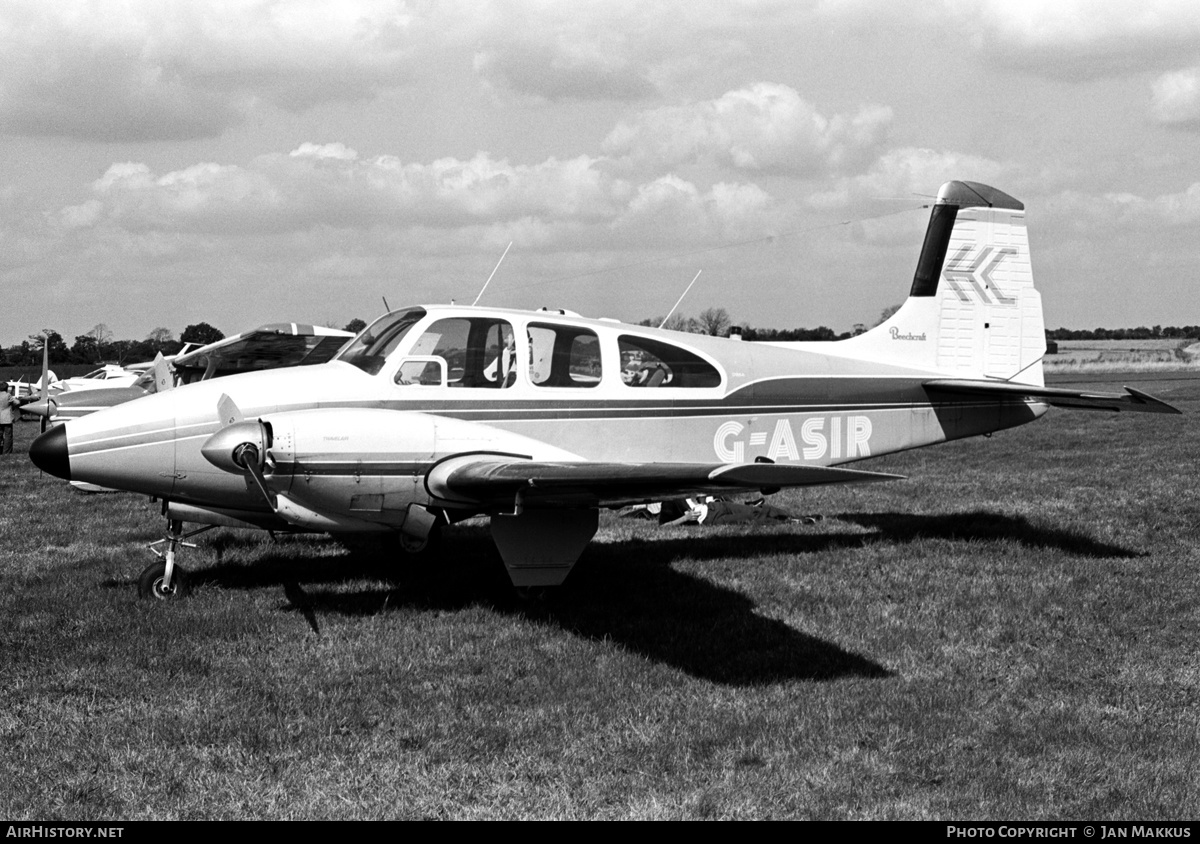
1011 633
1116 356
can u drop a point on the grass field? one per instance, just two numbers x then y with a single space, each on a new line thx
1012 633
1117 356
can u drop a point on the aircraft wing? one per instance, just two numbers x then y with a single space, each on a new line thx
266 347
1131 399
497 481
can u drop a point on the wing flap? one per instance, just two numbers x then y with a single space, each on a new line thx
1131 400
606 484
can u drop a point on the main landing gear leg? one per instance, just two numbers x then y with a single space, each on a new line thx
164 580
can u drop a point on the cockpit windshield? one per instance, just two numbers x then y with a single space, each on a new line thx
369 350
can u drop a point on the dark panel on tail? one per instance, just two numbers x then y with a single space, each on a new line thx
933 251
951 197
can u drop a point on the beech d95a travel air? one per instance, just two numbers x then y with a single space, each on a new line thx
537 419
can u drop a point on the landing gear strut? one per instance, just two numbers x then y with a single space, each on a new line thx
164 580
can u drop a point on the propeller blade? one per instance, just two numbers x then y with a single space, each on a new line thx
45 368
250 464
164 376
228 411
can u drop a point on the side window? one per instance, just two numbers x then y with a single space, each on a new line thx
653 363
563 356
425 370
473 352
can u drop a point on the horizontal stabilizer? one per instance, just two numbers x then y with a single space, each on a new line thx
1131 399
588 483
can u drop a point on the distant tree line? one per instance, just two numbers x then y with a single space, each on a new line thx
98 346
1158 332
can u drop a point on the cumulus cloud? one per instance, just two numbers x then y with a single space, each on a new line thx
144 70
612 49
1079 38
673 209
1173 210
163 70
762 127
1176 97
331 186
909 172
204 197
549 72
337 151
1162 224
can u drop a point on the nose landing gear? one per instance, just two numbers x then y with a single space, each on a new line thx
164 580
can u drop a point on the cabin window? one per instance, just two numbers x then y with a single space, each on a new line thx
563 356
370 349
478 352
653 363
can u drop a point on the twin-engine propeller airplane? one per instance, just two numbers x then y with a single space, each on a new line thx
538 419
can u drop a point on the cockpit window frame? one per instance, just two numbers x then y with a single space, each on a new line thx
370 349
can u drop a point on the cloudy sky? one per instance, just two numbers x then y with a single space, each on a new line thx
238 162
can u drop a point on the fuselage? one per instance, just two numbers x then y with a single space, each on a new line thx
426 384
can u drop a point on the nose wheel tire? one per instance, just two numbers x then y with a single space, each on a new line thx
150 583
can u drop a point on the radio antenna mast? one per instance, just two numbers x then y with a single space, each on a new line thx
489 278
676 305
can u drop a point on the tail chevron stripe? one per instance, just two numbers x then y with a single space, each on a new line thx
960 271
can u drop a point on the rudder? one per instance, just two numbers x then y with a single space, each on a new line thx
972 310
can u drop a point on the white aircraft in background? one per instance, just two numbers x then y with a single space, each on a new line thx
267 347
537 420
108 375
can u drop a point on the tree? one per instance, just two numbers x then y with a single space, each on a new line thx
887 314
21 354
355 325
201 333
124 351
85 350
160 336
58 346
714 322
678 322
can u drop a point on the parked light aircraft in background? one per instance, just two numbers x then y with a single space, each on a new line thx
108 375
538 419
267 347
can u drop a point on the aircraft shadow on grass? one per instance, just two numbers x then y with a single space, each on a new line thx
625 592
984 526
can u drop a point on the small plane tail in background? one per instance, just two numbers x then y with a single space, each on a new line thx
972 310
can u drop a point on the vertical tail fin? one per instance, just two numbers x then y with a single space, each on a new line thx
972 310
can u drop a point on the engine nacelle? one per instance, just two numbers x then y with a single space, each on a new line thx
370 464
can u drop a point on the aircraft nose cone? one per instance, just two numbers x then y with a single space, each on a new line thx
49 453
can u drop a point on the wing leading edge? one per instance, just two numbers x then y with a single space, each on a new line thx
498 481
1130 400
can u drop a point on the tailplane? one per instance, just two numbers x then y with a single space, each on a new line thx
972 311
